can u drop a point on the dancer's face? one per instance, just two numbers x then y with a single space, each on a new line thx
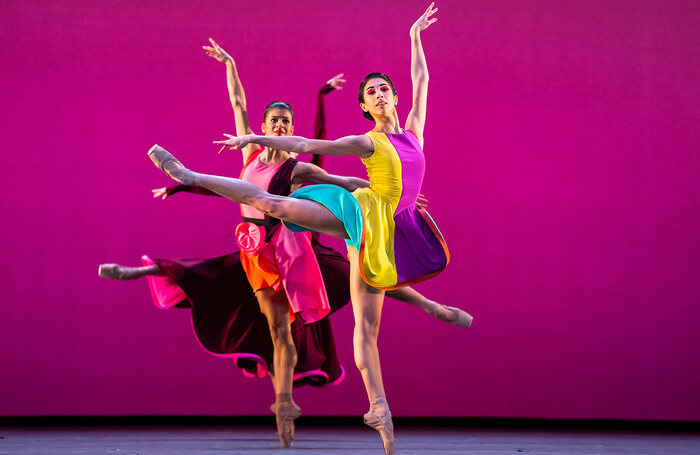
278 123
379 99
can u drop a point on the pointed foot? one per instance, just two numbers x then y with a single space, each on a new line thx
385 427
451 315
116 272
167 163
285 414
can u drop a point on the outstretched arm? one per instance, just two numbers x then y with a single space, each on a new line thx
170 190
312 174
349 145
235 93
419 75
335 83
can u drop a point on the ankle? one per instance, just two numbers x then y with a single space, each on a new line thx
283 398
379 406
430 306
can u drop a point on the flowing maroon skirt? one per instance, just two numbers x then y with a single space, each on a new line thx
227 320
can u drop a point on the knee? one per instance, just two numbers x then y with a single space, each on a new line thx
360 362
367 331
280 332
270 205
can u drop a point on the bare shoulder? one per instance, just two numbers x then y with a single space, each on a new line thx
361 144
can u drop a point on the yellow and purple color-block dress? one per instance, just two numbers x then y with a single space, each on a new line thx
398 243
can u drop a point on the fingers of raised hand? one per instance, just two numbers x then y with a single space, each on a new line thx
211 52
429 12
337 81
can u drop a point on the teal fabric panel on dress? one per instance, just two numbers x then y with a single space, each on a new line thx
340 202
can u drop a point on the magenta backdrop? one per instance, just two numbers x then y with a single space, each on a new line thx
562 144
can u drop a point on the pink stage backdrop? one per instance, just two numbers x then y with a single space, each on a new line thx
563 155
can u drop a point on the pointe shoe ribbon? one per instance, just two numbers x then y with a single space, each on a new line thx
385 427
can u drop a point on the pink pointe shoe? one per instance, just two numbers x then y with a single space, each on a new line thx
285 414
451 315
117 272
385 427
167 163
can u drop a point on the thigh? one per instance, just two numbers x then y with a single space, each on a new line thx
274 306
310 215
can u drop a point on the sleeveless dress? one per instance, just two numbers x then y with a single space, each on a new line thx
398 244
226 317
278 258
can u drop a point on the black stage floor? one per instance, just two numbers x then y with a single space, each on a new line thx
322 440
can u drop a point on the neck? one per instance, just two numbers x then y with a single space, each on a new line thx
271 156
388 124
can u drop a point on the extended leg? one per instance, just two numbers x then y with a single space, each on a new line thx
305 213
120 272
276 309
367 308
449 314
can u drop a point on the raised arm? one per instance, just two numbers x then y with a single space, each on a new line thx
335 83
235 92
419 74
361 146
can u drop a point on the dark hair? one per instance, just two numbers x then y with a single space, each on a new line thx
361 95
278 104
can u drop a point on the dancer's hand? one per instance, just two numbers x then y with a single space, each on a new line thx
162 192
336 81
424 21
215 51
421 202
235 143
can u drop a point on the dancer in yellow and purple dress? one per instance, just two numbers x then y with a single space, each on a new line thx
398 243
390 244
